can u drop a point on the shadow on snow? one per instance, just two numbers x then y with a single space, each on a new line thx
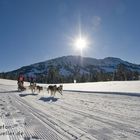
48 99
23 95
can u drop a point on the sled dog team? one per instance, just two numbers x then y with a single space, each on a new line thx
33 87
52 89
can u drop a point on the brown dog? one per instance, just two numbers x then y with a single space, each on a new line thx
32 87
39 88
54 88
60 89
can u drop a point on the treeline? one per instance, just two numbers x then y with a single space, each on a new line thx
53 75
122 73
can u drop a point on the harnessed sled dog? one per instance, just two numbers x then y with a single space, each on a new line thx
32 87
39 88
54 89
60 89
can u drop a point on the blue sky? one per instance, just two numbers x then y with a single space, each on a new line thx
37 30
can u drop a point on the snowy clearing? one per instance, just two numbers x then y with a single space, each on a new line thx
102 111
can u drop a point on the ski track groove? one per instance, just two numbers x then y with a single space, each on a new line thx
28 124
40 116
28 134
103 120
85 114
66 131
115 125
101 112
106 121
64 123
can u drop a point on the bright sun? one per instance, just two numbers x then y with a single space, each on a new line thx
80 43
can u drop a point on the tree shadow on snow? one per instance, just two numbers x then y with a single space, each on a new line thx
108 92
48 99
23 95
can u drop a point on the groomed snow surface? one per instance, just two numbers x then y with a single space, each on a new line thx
86 111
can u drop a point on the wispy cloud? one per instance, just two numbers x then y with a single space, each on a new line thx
96 23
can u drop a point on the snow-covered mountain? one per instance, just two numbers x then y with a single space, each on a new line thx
71 65
67 65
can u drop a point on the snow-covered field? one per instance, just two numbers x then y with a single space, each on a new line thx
89 111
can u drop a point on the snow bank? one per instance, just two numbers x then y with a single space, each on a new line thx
112 86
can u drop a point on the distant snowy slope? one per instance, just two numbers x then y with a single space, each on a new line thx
68 65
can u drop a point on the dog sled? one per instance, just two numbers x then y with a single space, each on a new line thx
20 86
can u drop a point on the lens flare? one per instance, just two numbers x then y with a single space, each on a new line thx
80 43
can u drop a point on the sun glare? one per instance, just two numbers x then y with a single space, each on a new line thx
80 43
